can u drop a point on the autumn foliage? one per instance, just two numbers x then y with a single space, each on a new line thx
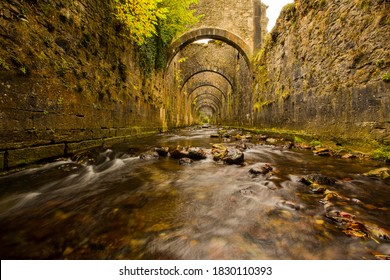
143 19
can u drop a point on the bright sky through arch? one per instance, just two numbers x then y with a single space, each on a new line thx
273 11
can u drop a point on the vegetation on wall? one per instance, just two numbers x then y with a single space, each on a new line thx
152 24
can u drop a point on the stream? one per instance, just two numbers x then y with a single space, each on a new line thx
124 203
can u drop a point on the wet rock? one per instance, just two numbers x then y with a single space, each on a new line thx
317 178
162 151
271 140
348 156
228 156
219 152
285 204
262 137
185 161
382 257
339 216
179 152
196 153
242 146
318 189
288 145
261 169
149 155
382 173
206 125
356 229
324 152
379 232
188 152
234 156
302 146
214 136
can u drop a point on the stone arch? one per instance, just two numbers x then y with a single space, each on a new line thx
209 103
210 33
192 90
206 69
209 96
209 106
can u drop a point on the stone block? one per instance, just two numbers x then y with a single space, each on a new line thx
73 148
2 158
30 155
109 142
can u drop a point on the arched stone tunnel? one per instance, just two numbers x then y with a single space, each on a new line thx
211 80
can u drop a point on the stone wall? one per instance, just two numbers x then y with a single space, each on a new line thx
325 70
69 81
225 76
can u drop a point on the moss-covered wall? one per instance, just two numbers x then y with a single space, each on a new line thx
323 70
69 80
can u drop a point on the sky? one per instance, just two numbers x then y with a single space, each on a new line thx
273 11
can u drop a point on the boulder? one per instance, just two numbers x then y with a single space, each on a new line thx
318 179
227 155
234 156
188 152
261 169
162 151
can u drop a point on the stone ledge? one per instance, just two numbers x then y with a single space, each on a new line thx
34 154
72 148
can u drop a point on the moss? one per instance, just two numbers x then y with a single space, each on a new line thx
315 143
383 153
380 63
386 78
4 64
363 4
289 11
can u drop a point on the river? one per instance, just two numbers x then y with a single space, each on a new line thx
112 204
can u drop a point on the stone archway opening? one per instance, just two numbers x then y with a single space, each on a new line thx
213 34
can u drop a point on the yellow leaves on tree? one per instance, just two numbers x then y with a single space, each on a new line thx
139 17
142 18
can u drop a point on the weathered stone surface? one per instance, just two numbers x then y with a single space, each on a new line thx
2 158
322 68
72 148
34 154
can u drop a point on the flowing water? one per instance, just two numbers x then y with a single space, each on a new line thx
114 205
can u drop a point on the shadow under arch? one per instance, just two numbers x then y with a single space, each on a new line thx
210 33
208 96
209 104
207 85
203 70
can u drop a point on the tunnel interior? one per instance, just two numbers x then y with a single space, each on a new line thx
210 80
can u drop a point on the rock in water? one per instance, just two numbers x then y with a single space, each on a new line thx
162 151
261 169
196 154
234 156
185 161
149 155
382 173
